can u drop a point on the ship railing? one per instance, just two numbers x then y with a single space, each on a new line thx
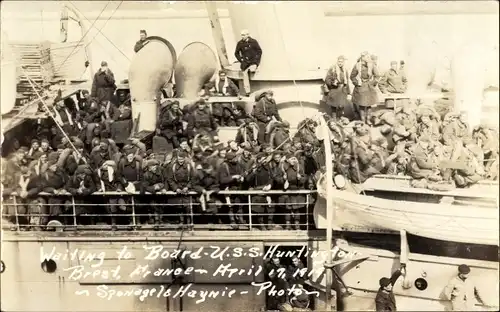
135 211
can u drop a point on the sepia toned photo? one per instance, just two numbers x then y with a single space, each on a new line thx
249 156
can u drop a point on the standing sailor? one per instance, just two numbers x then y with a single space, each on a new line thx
365 77
385 300
103 86
461 291
248 53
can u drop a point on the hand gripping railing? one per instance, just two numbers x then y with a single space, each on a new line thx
139 211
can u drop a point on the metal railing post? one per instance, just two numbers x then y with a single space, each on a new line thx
132 201
15 213
249 211
74 210
191 211
307 212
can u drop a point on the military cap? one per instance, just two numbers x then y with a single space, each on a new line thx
53 158
78 143
128 149
104 63
181 154
230 155
34 141
153 162
109 163
463 269
200 101
285 124
341 58
83 169
385 129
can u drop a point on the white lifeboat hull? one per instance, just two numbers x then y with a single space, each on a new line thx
474 224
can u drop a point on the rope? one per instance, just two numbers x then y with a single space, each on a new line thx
83 37
105 37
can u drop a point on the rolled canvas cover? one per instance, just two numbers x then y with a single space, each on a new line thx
196 65
151 68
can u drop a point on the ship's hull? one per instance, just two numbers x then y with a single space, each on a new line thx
474 223
361 278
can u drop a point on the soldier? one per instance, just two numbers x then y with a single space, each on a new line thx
455 131
71 159
200 121
279 134
306 132
63 117
461 291
337 88
276 273
179 177
246 159
101 153
129 171
207 185
265 111
248 53
422 164
170 122
231 177
108 182
247 132
385 300
142 41
364 77
259 178
296 272
154 183
471 169
428 127
103 86
299 300
393 81
53 182
222 86
292 178
82 183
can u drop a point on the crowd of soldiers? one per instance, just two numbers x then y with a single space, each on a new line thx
77 155
411 138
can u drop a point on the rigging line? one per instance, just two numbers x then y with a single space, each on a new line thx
54 119
84 35
288 60
105 37
105 23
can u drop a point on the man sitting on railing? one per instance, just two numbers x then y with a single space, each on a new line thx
200 121
82 183
231 177
179 176
207 185
260 178
53 181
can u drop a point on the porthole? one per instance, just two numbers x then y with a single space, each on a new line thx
2 266
49 266
421 284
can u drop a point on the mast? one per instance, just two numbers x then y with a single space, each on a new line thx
329 212
220 44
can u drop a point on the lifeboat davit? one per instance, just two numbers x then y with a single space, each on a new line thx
9 78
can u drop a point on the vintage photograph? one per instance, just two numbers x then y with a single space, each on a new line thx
249 156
